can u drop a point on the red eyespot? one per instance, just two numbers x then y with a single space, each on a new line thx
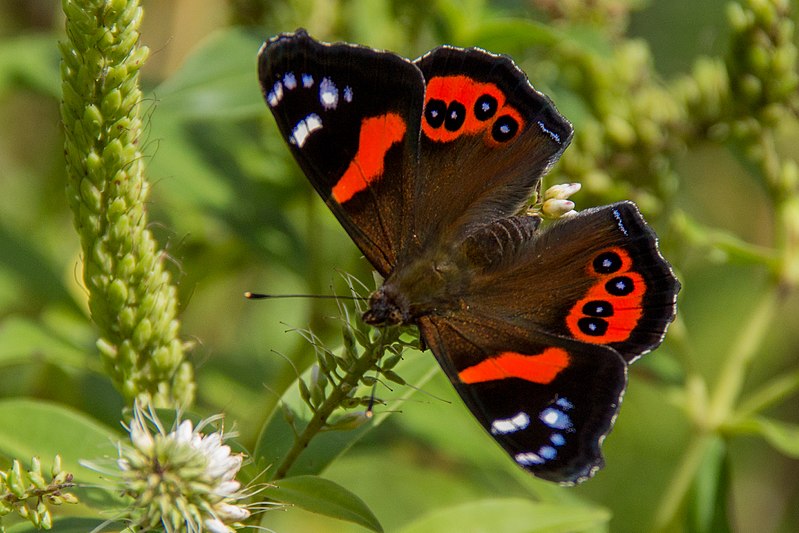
611 308
459 105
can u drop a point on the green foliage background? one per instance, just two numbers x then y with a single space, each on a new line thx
233 213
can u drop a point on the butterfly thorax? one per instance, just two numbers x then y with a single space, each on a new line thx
434 282
424 286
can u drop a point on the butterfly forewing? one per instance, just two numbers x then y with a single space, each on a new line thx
486 138
350 116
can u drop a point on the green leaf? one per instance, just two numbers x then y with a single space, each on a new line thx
210 117
781 435
323 497
510 515
21 337
219 80
277 435
707 504
434 425
31 60
514 35
36 428
31 266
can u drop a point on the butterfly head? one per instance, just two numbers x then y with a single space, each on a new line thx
386 308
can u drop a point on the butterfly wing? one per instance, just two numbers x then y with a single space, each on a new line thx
487 136
598 278
350 116
539 346
548 401
384 140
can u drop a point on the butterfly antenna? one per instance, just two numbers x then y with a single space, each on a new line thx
261 296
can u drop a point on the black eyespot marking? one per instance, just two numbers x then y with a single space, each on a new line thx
456 115
504 128
620 286
607 263
595 327
485 107
598 308
435 112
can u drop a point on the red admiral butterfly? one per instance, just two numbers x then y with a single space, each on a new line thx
429 165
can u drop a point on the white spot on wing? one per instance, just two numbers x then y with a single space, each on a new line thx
528 459
307 81
275 95
555 418
348 94
328 94
304 129
518 422
619 222
289 81
547 452
554 136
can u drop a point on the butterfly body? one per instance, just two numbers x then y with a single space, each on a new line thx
429 166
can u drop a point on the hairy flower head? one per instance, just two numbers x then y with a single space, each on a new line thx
182 479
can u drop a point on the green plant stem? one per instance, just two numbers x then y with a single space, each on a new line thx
737 250
333 401
732 375
720 406
681 482
769 394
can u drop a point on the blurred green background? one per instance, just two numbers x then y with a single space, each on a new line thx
233 213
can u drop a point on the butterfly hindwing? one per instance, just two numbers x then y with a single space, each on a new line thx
538 347
612 288
549 402
350 116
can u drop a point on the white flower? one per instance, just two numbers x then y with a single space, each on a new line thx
182 479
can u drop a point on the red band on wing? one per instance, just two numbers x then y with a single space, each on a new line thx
378 135
537 368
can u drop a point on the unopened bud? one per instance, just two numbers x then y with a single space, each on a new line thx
562 191
554 208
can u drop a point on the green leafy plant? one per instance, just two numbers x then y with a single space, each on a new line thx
183 196
30 495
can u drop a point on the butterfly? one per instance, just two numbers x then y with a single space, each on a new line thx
429 166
